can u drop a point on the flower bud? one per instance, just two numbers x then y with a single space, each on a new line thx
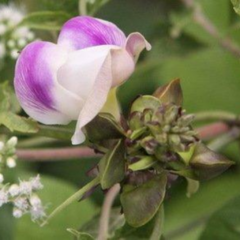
17 213
12 142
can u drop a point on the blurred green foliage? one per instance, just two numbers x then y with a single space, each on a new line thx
210 77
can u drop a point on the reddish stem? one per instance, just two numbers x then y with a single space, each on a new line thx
55 154
212 130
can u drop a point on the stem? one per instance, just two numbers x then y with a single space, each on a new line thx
54 154
158 225
54 132
106 209
83 7
75 197
216 115
212 130
225 139
200 18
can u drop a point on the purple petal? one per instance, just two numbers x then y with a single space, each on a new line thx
83 32
36 86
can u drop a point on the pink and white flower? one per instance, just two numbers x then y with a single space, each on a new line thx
70 80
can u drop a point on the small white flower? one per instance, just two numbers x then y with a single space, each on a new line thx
30 36
2 50
35 201
37 212
1 178
11 43
12 142
17 213
1 143
14 190
25 187
36 183
14 54
3 197
21 203
11 162
3 29
22 42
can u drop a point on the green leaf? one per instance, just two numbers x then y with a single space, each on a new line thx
112 166
55 191
103 127
8 99
225 223
236 6
192 187
145 102
150 231
17 123
141 203
170 93
144 163
207 164
45 20
7 223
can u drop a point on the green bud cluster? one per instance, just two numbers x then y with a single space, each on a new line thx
165 128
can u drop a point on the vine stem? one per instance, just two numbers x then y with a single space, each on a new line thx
75 197
82 7
106 210
200 18
52 154
215 115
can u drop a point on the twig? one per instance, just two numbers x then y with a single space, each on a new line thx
215 115
225 139
200 18
106 209
54 154
212 130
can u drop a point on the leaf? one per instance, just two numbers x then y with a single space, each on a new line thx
7 223
45 20
141 203
145 102
207 164
194 211
103 127
17 123
170 93
8 99
54 193
144 163
236 6
192 187
112 166
150 231
225 223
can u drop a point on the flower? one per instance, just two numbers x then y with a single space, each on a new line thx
13 36
70 80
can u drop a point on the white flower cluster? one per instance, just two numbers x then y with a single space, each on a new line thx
7 155
12 37
24 198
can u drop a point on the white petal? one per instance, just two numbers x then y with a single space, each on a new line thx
135 44
96 99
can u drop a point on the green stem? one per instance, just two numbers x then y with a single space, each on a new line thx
225 139
75 197
215 115
158 226
83 7
55 132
